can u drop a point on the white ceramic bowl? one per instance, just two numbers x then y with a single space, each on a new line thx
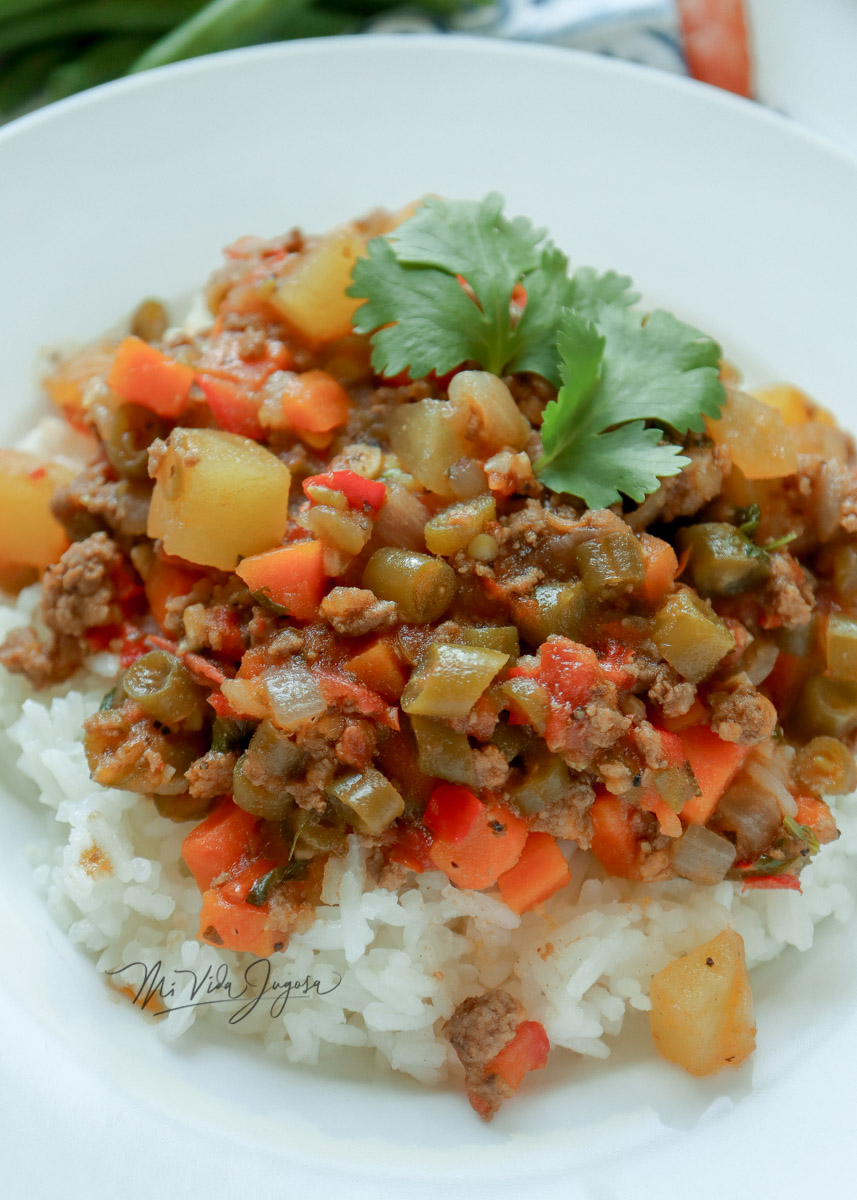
726 214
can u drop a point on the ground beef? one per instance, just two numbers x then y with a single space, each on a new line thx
354 611
94 501
569 818
491 768
125 750
211 775
176 606
78 591
743 715
356 744
788 592
478 1030
595 726
684 494
511 474
662 684
648 741
43 663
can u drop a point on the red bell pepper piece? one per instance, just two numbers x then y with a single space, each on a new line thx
357 490
790 882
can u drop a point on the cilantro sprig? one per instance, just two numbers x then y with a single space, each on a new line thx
424 320
618 374
438 292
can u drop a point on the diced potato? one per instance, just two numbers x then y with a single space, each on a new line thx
757 436
429 438
66 384
490 409
312 296
702 1007
455 527
30 536
218 497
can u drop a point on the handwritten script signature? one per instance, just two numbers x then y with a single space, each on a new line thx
255 985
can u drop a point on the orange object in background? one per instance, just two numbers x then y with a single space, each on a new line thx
716 43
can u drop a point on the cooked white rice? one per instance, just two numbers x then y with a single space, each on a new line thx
113 878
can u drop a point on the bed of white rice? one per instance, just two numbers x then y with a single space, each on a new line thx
113 878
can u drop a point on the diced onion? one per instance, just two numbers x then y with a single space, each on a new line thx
294 696
702 856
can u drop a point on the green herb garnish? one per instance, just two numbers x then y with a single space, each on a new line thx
618 373
803 833
261 889
424 320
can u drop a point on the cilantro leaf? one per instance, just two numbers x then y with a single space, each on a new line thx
618 374
424 320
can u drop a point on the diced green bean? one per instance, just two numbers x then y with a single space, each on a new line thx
320 833
690 637
227 733
511 740
164 687
546 780
453 529
801 642
495 637
554 608
528 699
444 752
723 561
610 563
257 800
182 808
825 707
450 679
131 432
422 587
149 321
271 752
676 785
842 647
373 802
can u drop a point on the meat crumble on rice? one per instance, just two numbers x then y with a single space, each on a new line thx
347 610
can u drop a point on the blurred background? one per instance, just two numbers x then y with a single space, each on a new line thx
795 56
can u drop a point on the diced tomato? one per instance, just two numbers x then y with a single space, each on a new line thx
412 847
357 490
568 670
773 882
339 690
612 660
233 406
452 812
527 1051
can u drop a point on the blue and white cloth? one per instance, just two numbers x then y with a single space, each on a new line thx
645 31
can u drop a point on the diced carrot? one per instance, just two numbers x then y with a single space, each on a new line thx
667 819
492 846
452 812
614 842
660 565
527 1051
237 887
290 576
236 925
233 407
314 401
539 872
695 715
143 375
357 490
381 669
714 763
166 581
218 844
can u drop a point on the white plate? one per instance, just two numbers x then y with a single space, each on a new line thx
732 217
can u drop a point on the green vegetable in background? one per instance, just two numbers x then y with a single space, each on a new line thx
52 48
